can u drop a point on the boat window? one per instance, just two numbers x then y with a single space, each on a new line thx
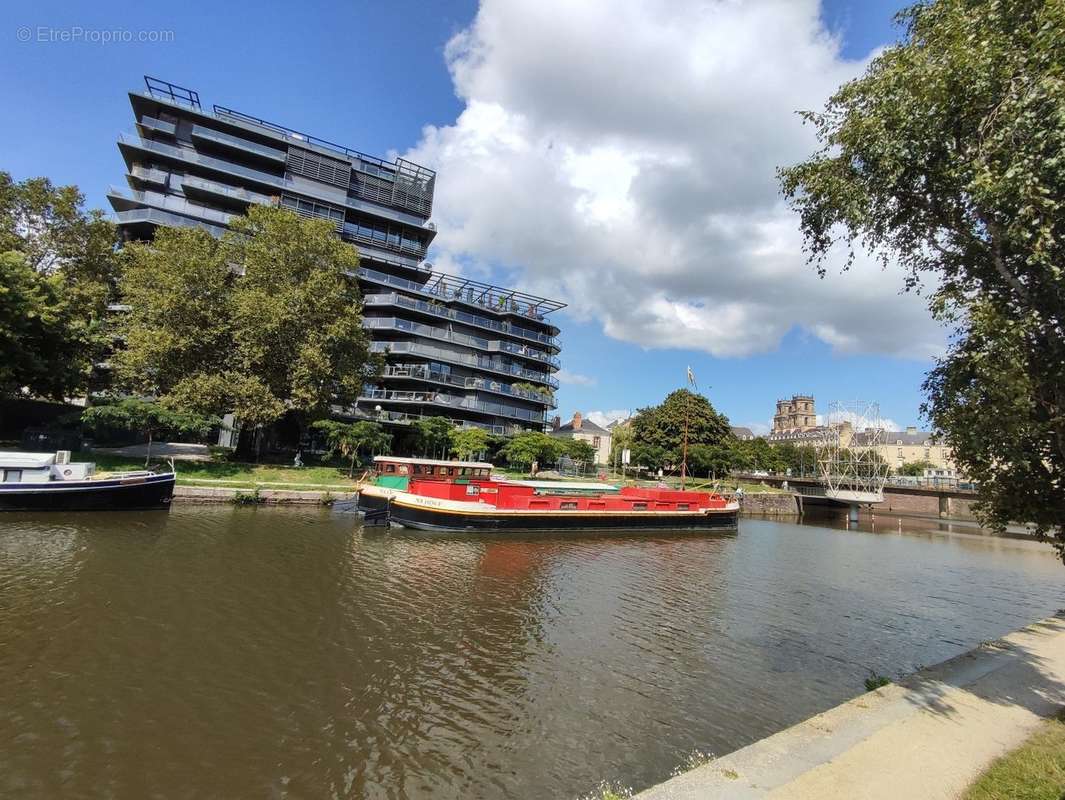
465 471
568 505
450 470
639 506
390 467
12 476
683 506
403 469
472 488
417 469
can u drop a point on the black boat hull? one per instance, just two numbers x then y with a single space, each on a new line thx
118 494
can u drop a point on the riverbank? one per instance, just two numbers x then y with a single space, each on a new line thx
929 736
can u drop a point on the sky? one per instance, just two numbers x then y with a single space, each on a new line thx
616 155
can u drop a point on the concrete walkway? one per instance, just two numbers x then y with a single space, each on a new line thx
928 737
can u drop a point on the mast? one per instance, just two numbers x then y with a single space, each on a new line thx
684 449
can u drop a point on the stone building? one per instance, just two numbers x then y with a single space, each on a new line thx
586 430
795 415
902 447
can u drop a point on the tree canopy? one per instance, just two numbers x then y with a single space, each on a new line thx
434 433
946 159
58 270
146 418
468 442
348 439
658 431
528 447
265 320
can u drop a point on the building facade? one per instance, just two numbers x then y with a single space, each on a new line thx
587 431
795 415
905 447
478 354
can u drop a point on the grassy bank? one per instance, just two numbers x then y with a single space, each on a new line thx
236 475
1034 771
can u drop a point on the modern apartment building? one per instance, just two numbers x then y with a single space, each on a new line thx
479 354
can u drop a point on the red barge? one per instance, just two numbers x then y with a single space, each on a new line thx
462 496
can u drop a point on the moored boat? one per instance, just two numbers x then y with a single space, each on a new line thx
51 482
450 495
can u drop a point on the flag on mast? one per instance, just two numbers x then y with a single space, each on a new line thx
691 378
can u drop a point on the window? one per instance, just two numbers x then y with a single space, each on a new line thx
417 469
390 467
639 506
683 506
450 470
568 505
595 442
12 476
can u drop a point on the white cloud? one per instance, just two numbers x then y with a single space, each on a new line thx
565 376
619 155
604 418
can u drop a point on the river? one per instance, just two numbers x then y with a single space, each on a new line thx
221 652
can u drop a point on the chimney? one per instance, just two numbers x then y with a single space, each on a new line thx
576 420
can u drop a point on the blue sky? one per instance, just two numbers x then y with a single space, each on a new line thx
373 76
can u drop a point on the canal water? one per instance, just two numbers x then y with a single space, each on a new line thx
270 653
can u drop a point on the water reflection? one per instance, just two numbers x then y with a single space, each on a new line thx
225 652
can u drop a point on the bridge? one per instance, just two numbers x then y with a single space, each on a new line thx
942 499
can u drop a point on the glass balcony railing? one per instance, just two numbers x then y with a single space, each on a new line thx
421 372
412 286
151 123
200 132
465 403
223 190
442 311
441 334
175 204
406 418
190 156
478 362
153 216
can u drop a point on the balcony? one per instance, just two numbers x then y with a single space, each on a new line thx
447 288
147 123
188 155
148 175
464 403
155 217
237 143
385 239
420 372
405 418
168 202
191 182
442 311
477 362
441 334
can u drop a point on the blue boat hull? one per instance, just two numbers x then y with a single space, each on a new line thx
117 494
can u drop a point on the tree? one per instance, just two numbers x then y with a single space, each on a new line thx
528 447
265 320
712 459
663 426
467 442
349 438
945 157
580 450
58 274
434 434
146 418
914 469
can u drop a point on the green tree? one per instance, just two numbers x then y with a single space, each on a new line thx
580 450
524 449
468 442
711 459
434 433
265 320
61 307
945 158
348 439
146 418
663 426
914 469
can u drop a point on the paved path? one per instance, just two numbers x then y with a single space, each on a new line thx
928 737
179 451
